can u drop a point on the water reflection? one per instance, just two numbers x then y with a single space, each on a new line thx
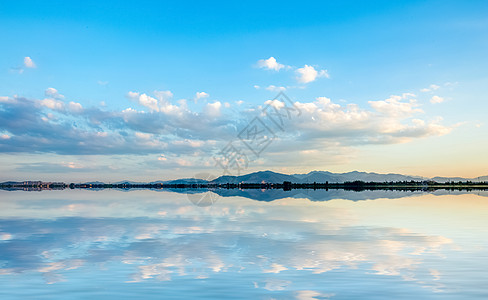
152 244
327 194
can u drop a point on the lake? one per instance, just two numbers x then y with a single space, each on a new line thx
113 244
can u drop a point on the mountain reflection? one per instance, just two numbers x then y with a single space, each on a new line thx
280 247
326 194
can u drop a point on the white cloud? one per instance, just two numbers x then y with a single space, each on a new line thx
200 95
144 100
277 104
164 96
431 88
72 165
148 102
323 124
213 109
133 95
183 162
28 62
274 88
308 74
53 93
324 116
390 121
190 143
257 87
270 64
310 152
159 104
436 99
396 107
143 136
52 104
5 137
75 107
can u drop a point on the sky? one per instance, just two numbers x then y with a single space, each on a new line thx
153 90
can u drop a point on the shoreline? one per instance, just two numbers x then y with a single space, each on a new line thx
286 186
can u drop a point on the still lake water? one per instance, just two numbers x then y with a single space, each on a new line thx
146 244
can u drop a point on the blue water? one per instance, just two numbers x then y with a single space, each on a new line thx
158 245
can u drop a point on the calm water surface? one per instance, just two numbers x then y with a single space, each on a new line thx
157 245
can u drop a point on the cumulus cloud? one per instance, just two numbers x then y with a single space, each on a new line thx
148 102
63 133
270 64
200 95
28 62
133 95
158 103
53 104
390 121
53 93
5 99
309 73
143 136
213 109
397 106
75 107
274 88
436 99
163 96
54 126
183 162
431 88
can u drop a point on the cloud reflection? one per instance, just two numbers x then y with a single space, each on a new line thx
165 239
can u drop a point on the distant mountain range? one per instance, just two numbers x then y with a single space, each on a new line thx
456 179
311 177
319 177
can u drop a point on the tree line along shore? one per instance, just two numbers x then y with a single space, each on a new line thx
286 185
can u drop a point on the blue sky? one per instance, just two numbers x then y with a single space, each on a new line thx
109 90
